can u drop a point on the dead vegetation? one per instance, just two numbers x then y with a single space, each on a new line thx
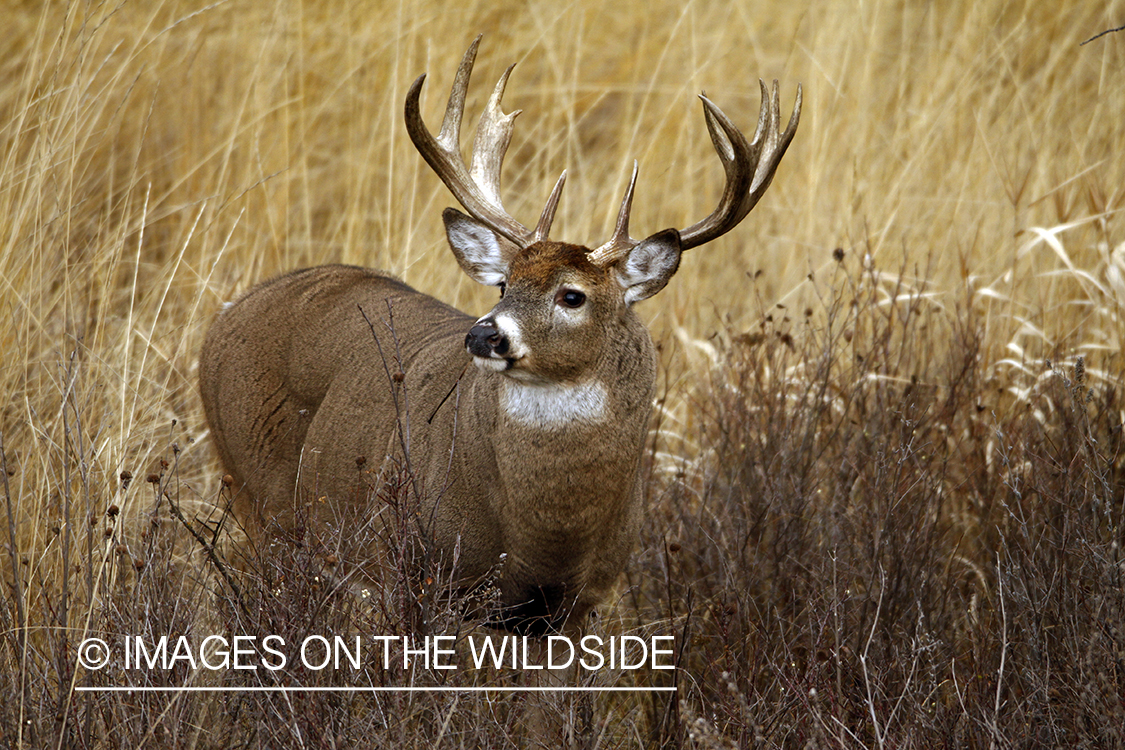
885 488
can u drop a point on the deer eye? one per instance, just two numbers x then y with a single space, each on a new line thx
571 298
503 288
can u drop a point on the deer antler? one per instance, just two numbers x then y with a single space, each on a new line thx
477 187
749 167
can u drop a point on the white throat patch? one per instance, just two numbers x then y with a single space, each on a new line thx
553 405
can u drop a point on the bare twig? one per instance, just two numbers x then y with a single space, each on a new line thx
879 735
212 556
21 617
994 725
1107 31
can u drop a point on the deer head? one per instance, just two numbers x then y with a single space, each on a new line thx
554 296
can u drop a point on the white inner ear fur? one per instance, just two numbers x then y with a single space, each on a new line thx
479 251
649 266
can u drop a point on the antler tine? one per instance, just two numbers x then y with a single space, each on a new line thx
547 218
749 166
477 188
620 243
494 133
449 137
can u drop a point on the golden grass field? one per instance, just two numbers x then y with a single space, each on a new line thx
157 159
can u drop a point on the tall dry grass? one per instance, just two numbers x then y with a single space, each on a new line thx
865 476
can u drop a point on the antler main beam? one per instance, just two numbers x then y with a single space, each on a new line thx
749 167
476 187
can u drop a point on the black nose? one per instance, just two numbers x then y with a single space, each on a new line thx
484 340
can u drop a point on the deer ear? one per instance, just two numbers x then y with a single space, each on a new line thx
481 252
649 265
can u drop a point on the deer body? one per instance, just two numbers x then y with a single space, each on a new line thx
293 381
523 430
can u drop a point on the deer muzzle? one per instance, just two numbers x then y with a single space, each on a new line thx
485 340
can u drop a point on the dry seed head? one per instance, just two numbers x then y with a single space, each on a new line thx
112 510
228 481
126 478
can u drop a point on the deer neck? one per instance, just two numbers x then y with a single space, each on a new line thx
554 405
568 444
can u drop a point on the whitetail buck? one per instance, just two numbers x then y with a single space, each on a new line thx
532 455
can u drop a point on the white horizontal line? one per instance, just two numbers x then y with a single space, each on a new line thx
298 689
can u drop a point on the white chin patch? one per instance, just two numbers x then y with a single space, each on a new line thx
553 405
490 364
